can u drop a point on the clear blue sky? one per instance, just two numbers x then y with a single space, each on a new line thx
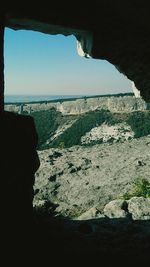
37 63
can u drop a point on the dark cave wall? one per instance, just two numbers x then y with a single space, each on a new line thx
130 54
1 64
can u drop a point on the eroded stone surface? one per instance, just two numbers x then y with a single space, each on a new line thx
139 207
79 106
116 209
86 177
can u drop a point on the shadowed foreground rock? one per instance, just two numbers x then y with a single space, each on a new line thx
18 163
110 241
50 237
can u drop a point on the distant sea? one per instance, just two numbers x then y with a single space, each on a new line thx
36 98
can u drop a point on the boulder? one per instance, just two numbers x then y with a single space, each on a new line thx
139 208
92 213
116 209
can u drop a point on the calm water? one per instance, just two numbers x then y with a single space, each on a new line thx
36 98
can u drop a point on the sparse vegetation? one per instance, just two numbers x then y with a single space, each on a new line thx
140 123
47 122
72 136
61 145
141 189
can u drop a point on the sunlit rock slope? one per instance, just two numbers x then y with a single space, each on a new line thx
79 178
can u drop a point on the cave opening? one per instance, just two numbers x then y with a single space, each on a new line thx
83 161
38 63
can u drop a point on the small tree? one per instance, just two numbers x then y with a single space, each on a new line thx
61 145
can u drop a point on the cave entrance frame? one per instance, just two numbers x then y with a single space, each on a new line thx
84 44
2 28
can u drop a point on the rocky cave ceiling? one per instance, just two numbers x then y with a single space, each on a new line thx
114 30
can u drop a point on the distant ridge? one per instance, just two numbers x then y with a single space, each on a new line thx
69 99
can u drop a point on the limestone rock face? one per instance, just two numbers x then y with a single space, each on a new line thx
116 209
106 133
79 106
79 178
139 207
92 213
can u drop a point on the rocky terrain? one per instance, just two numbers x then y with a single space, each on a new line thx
79 179
106 133
84 212
92 190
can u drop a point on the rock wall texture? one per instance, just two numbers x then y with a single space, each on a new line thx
78 106
79 178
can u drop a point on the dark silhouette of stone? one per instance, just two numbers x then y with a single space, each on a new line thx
85 228
18 164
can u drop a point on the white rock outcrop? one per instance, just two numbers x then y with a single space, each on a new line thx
79 106
135 91
136 208
106 133
139 207
116 209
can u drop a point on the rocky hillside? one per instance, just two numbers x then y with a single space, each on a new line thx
75 180
91 157
94 127
92 190
87 121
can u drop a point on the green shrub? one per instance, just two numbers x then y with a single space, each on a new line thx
46 122
61 145
141 189
140 123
